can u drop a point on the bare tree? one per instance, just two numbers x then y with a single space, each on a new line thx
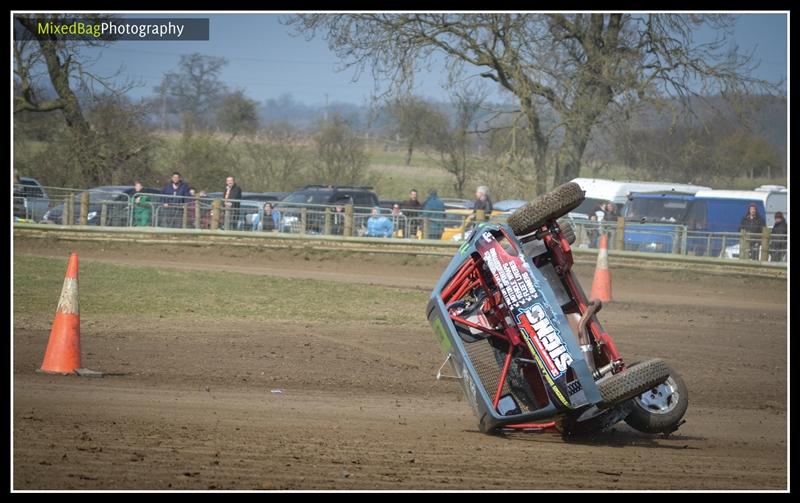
274 160
37 55
579 64
237 114
194 89
104 135
340 156
415 120
454 142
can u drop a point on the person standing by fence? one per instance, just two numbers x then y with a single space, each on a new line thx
413 209
398 221
177 191
780 231
233 193
434 214
752 223
142 209
482 203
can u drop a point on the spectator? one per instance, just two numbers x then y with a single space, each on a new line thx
268 219
780 233
610 212
398 220
231 200
338 220
593 230
434 213
191 204
142 210
752 223
413 208
482 202
205 210
379 226
177 190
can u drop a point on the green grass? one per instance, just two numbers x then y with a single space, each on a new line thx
109 290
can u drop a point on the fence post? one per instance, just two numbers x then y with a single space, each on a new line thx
303 219
69 209
766 232
197 211
348 220
103 213
185 221
619 239
84 208
216 205
425 227
327 230
744 251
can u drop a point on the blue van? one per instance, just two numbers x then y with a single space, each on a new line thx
654 221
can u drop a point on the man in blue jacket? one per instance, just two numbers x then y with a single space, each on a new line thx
176 191
379 226
434 213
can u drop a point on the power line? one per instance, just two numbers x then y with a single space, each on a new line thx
261 60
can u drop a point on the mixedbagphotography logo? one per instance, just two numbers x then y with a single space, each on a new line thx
112 28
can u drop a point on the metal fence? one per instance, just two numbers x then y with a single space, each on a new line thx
679 240
120 208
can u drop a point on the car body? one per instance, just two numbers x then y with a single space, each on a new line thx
31 201
115 199
315 198
519 333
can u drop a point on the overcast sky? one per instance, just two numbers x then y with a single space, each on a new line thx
266 61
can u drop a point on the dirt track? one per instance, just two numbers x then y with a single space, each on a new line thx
360 408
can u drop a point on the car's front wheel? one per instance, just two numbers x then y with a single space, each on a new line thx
661 408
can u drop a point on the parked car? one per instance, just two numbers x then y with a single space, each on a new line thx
314 197
30 200
116 199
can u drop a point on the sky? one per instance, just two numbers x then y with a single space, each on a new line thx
266 61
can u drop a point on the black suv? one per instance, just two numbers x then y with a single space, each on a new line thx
362 198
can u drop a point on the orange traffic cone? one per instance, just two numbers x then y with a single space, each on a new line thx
63 354
601 285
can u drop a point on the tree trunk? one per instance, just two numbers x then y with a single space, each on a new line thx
539 144
575 140
409 152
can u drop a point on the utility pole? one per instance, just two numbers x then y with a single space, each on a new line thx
326 107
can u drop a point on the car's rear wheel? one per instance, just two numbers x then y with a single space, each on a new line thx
535 214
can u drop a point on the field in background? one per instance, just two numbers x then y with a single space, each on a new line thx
392 179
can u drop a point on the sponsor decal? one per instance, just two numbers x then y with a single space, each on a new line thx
471 390
547 341
516 286
444 342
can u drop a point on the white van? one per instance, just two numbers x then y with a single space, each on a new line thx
599 190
